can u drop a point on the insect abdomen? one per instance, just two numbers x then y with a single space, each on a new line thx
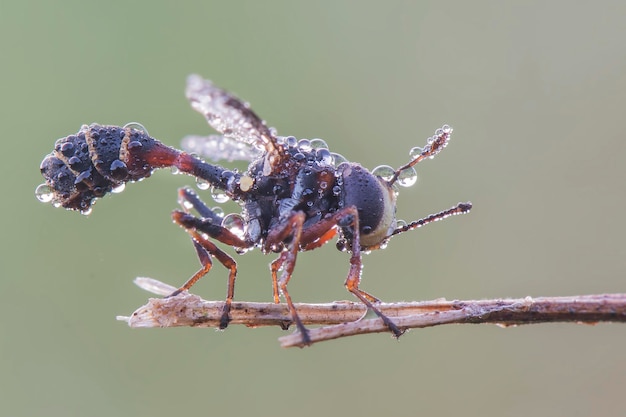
95 161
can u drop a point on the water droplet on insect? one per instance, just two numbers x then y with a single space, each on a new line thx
135 144
415 152
400 223
318 144
119 170
384 171
74 162
186 204
235 223
118 189
446 129
86 212
338 159
407 177
44 193
218 211
304 145
202 184
219 196
336 190
67 149
136 126
174 170
291 141
324 156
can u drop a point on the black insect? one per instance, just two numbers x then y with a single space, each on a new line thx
295 195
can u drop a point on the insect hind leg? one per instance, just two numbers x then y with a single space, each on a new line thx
200 229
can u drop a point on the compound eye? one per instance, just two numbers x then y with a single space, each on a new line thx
374 200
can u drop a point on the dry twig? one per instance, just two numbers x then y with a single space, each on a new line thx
344 318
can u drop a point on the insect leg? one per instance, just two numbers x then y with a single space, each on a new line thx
318 233
290 230
349 218
198 229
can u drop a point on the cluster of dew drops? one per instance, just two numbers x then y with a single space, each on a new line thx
45 194
235 222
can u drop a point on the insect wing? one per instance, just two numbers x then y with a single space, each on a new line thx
219 148
229 115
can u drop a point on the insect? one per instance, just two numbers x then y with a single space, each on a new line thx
295 195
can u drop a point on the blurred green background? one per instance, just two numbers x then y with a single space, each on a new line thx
534 90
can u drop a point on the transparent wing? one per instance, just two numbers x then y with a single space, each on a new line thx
219 148
229 115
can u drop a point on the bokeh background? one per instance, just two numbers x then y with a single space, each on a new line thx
535 91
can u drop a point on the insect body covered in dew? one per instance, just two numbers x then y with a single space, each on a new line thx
295 196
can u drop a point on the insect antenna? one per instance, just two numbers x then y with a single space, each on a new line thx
460 208
434 145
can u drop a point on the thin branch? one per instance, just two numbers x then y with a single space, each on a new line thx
345 318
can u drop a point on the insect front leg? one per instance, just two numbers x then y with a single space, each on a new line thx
291 231
348 218
198 229
320 232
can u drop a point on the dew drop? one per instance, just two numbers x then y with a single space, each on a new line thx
318 144
119 188
44 193
324 156
135 144
174 170
219 196
218 211
291 141
415 152
384 171
338 159
74 162
119 170
304 145
86 212
400 223
446 129
407 177
136 126
184 203
202 184
83 176
67 149
336 190
235 223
